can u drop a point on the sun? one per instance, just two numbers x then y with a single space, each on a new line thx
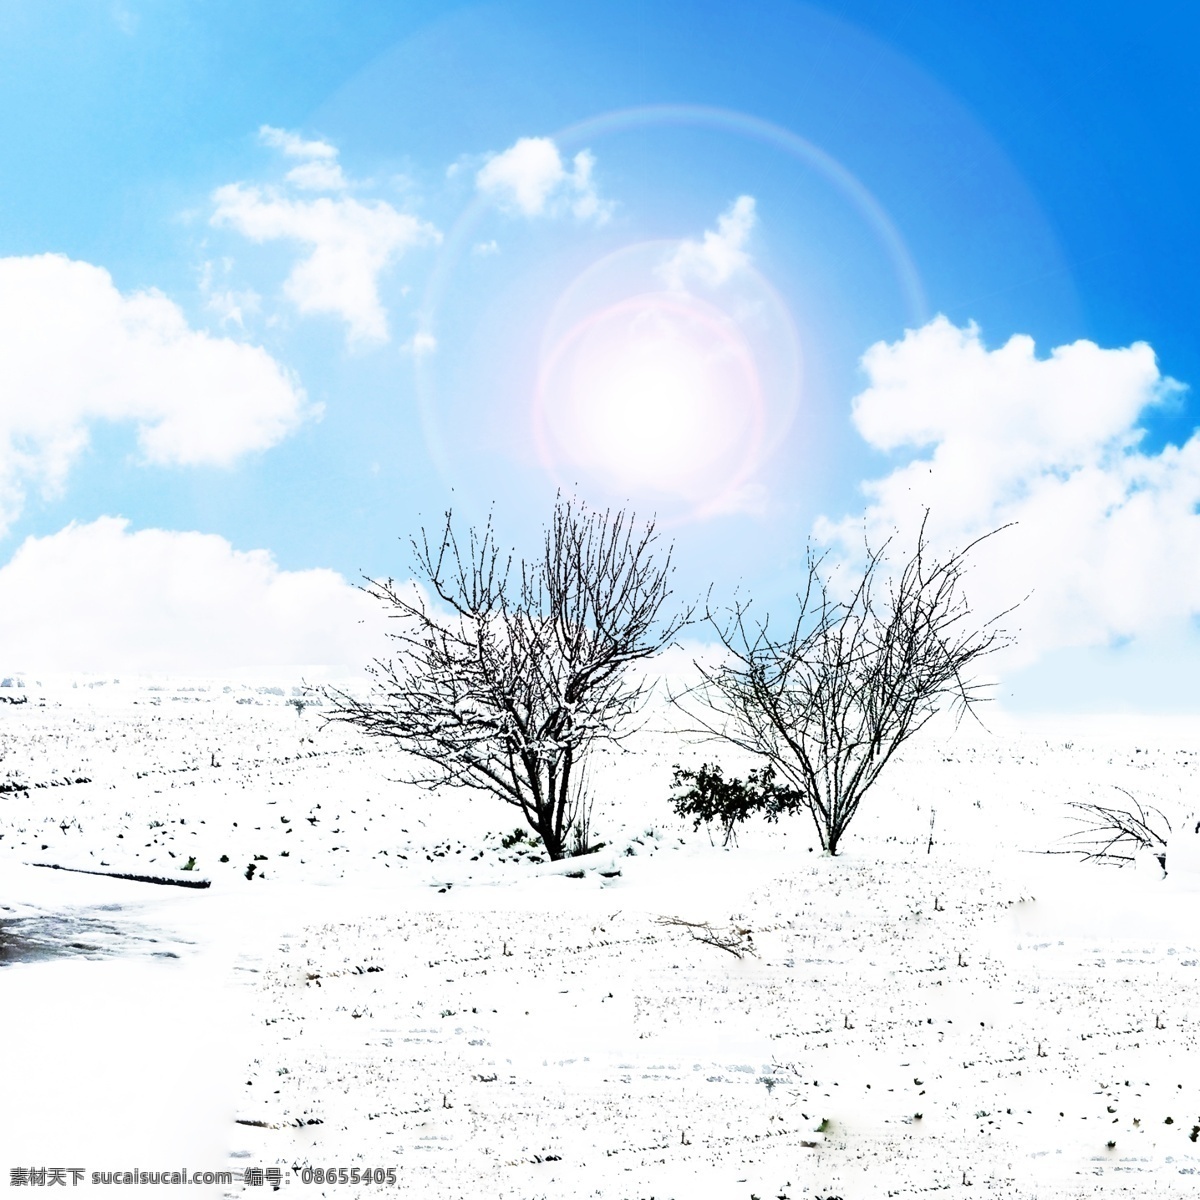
658 392
671 394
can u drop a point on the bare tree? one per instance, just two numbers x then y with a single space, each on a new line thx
830 701
527 667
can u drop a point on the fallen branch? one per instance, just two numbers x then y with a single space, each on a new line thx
298 1123
736 940
160 879
1115 834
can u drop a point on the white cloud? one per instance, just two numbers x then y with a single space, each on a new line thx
99 597
586 205
720 255
230 305
420 344
294 146
1108 537
75 351
317 177
351 243
320 170
530 176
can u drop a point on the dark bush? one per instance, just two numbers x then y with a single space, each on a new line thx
711 797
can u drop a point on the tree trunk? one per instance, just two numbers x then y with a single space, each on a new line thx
827 837
546 829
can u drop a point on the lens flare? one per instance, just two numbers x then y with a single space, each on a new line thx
678 450
656 393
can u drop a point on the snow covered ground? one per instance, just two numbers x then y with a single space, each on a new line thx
379 977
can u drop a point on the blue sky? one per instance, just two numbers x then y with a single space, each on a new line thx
324 269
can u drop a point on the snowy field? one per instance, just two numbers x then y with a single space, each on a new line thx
379 977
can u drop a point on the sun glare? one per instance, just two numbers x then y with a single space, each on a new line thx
672 396
657 393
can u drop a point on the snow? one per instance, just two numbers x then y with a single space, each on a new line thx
373 979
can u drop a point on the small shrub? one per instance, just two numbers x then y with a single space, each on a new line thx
517 837
711 797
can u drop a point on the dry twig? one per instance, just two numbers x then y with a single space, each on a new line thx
737 940
1109 830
